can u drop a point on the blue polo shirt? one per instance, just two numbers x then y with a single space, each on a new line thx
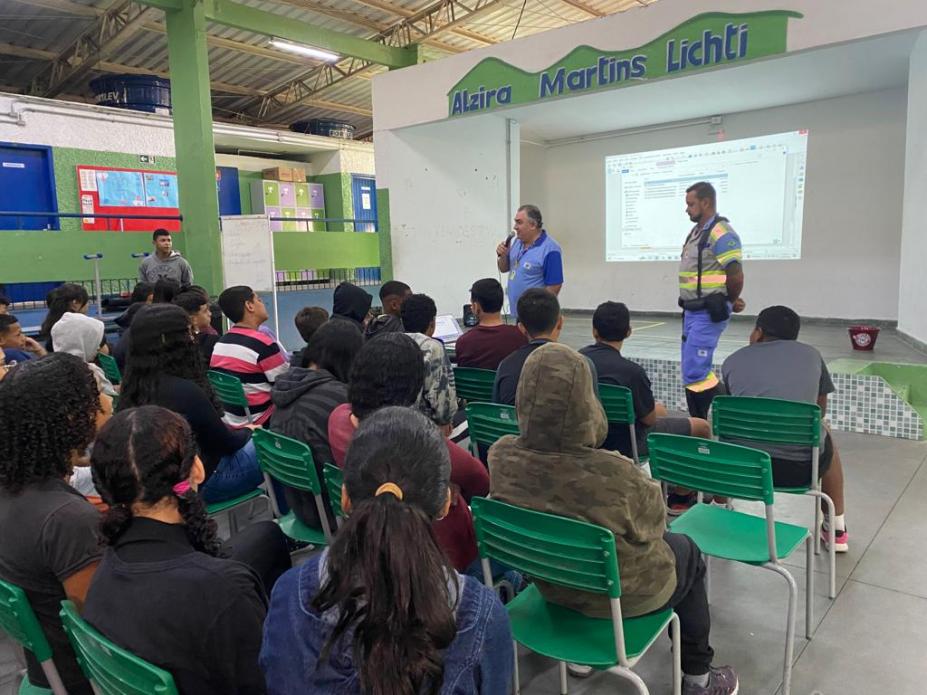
540 265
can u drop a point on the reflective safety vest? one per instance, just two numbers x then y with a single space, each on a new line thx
700 271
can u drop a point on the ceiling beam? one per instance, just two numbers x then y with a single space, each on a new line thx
435 19
398 11
110 31
23 52
579 5
240 46
247 18
66 6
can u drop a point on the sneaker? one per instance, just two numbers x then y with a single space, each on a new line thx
677 504
841 542
721 681
579 670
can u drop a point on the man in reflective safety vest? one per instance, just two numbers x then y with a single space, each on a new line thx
710 282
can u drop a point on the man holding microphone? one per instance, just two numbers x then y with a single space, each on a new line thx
530 257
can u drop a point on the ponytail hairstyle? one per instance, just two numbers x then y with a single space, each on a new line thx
140 455
59 302
387 577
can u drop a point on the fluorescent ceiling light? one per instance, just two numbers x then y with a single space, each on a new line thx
309 51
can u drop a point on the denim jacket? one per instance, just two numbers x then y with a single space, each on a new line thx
479 660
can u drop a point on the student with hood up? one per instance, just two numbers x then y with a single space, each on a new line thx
352 303
554 466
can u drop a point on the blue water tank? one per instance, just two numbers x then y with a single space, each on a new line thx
148 93
318 126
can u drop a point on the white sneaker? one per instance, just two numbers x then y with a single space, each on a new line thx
579 670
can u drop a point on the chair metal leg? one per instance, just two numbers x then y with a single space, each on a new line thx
677 655
54 679
831 550
515 670
809 587
790 625
636 680
564 688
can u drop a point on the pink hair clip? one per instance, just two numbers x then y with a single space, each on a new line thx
181 488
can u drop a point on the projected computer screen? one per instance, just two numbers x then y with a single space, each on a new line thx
760 184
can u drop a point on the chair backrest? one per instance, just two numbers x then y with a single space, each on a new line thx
110 368
474 384
768 420
334 479
488 422
18 620
618 404
561 551
112 669
228 388
721 469
287 460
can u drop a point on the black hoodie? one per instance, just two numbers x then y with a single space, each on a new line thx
351 302
303 400
384 323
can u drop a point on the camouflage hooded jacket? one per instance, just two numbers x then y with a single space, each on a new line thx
554 466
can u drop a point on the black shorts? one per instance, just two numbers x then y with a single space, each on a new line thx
788 473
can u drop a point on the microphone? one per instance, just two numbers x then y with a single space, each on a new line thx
508 240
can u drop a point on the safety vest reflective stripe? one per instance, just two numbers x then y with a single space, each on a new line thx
733 255
708 382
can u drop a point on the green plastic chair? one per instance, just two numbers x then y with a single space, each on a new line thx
290 462
334 479
110 368
729 470
111 669
230 391
619 410
489 422
576 555
474 384
227 506
775 421
18 620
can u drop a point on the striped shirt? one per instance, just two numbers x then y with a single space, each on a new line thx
257 360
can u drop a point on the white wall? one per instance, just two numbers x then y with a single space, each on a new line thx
912 295
852 219
248 163
447 187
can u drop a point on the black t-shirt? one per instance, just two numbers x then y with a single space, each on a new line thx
509 372
197 616
614 369
48 532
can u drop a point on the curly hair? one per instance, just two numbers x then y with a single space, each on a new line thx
388 370
139 456
161 344
48 410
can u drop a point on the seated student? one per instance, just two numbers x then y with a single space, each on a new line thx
304 398
555 466
66 297
307 321
162 292
439 399
5 304
351 303
539 319
215 313
392 295
83 336
486 345
381 611
164 589
49 412
249 354
611 326
776 365
165 368
16 345
389 370
196 304
165 290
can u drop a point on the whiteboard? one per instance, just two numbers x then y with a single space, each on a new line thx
247 252
247 246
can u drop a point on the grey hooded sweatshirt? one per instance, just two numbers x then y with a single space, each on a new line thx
81 336
174 267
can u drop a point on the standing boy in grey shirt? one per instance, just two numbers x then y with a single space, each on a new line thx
165 262
776 365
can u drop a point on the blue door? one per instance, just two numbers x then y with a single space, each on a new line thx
364 190
27 184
